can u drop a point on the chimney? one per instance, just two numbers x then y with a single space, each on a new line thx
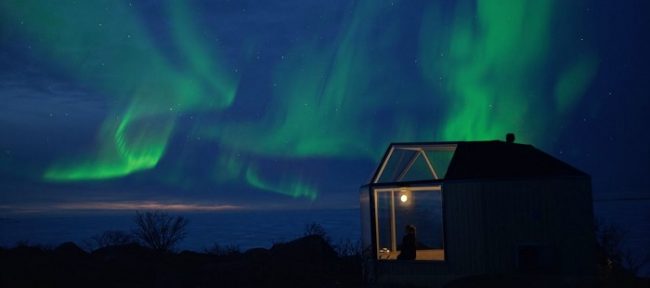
510 138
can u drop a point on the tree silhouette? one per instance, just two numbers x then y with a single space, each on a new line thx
160 231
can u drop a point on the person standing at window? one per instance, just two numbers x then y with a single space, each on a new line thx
408 244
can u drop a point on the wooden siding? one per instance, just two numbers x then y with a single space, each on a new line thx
464 228
486 222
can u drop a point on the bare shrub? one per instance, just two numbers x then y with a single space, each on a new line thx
348 247
315 229
109 238
160 231
614 259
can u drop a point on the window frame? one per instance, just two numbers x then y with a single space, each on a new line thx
373 189
420 151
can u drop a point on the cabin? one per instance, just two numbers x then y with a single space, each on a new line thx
478 208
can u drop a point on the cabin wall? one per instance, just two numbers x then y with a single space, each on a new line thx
465 244
486 222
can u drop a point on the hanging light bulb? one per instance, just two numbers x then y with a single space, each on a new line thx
404 196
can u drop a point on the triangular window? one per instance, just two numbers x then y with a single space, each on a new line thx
406 163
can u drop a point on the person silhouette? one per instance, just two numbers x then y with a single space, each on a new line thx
408 244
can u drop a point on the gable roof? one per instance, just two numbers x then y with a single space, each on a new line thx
467 160
496 159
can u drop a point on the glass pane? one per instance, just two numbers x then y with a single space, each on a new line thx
398 160
440 160
419 170
420 209
384 225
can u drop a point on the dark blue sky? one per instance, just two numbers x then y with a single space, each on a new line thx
290 104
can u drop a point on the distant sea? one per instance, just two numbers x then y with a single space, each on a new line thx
250 229
244 229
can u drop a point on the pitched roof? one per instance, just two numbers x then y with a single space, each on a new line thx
468 160
496 159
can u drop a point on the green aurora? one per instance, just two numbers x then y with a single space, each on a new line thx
151 91
480 69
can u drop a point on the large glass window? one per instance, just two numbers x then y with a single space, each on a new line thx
399 212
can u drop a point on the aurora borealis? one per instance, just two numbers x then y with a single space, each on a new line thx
272 103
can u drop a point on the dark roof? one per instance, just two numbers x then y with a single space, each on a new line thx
498 159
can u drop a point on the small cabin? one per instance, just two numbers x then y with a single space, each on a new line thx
478 208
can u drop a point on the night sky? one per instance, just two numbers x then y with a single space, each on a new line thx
210 105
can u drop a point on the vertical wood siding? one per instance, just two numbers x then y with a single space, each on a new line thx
486 222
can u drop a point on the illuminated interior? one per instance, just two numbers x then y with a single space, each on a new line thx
420 207
407 203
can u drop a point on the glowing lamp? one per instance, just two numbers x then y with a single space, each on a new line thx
404 196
